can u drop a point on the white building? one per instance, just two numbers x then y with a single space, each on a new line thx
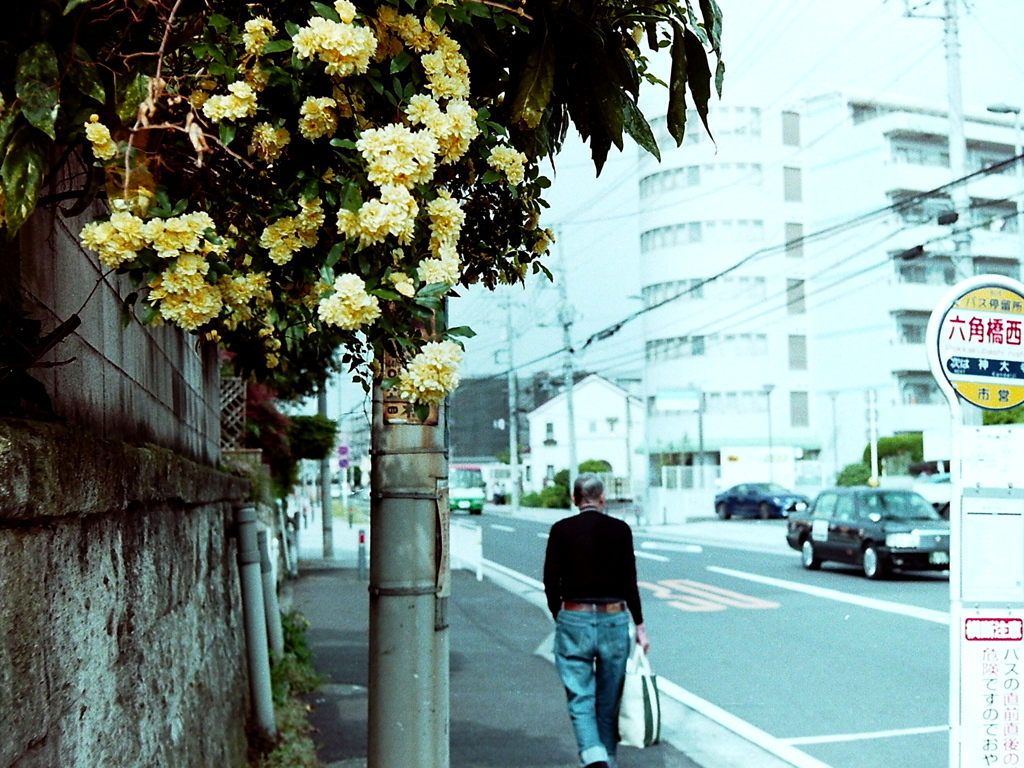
773 252
609 426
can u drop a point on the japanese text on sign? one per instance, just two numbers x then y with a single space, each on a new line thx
991 700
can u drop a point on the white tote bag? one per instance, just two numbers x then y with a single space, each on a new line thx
640 707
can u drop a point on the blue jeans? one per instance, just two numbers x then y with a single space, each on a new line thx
591 650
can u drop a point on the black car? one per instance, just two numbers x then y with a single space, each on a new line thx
878 529
762 500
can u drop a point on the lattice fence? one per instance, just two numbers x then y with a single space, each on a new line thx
232 412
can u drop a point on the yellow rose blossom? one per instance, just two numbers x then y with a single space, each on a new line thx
447 70
269 142
395 154
256 34
318 117
344 47
403 284
186 300
239 103
103 146
454 127
446 220
446 268
350 306
256 77
509 161
393 214
290 233
345 10
116 241
433 374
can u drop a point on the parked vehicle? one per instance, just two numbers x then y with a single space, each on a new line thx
937 490
762 500
466 488
878 529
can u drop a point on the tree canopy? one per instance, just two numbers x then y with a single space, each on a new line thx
304 183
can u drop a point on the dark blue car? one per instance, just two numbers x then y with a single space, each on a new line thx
763 500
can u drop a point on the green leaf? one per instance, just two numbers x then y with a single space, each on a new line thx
676 118
698 76
84 75
536 85
343 143
22 175
227 132
334 255
326 11
636 125
8 119
400 62
219 22
430 302
384 293
421 411
149 314
126 308
434 289
72 4
712 22
36 86
277 46
352 197
129 93
461 330
490 177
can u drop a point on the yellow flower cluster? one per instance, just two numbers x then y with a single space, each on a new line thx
454 127
184 296
394 30
395 154
447 69
257 34
318 117
446 220
290 233
344 47
350 306
185 233
240 102
239 290
256 77
269 142
116 241
433 374
509 161
103 147
394 213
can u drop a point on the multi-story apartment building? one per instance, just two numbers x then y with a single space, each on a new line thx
774 251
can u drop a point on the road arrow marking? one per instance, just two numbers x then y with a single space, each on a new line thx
689 595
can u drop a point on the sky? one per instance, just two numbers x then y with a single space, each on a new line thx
775 52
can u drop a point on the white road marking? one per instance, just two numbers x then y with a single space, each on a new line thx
500 527
542 535
938 617
870 735
741 728
649 556
695 549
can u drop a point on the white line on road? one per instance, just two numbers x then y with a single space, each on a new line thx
500 527
649 556
871 735
542 535
939 617
695 549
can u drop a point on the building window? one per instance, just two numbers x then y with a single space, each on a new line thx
549 473
795 303
792 186
911 327
528 475
935 270
791 129
920 152
549 434
1004 267
794 239
798 353
799 411
918 388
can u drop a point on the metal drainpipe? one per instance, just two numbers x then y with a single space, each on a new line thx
270 606
255 621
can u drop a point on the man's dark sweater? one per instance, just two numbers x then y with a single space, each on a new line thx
590 559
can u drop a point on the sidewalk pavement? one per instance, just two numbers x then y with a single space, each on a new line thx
507 704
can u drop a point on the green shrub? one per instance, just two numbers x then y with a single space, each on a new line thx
555 497
597 466
854 474
911 444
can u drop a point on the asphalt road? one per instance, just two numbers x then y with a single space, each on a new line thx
851 672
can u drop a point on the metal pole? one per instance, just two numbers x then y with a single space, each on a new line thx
771 448
565 317
255 621
513 415
408 711
957 142
873 427
1018 150
271 609
326 512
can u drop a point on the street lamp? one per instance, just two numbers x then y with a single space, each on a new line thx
768 399
1018 150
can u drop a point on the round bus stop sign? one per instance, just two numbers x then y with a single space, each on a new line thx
980 349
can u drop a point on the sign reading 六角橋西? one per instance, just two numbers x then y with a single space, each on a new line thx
980 346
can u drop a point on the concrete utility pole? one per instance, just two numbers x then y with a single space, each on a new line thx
408 691
565 317
957 143
513 413
326 512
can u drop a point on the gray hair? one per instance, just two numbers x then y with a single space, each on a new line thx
587 488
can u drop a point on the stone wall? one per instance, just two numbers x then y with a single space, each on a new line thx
121 638
141 384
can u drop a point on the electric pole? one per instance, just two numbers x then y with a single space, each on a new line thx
513 413
565 317
326 513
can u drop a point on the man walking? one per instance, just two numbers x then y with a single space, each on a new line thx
590 581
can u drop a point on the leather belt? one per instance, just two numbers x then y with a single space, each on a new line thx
595 607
